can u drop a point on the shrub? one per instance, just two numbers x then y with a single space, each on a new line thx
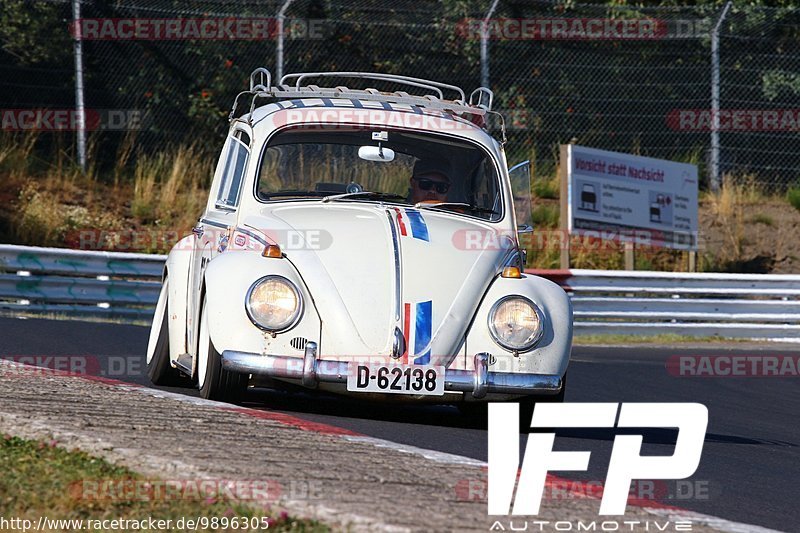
765 219
545 216
793 196
548 188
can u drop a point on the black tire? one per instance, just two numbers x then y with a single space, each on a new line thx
477 413
159 369
218 384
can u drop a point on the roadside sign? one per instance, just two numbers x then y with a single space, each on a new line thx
629 198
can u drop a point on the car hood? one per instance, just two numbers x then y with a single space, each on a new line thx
350 256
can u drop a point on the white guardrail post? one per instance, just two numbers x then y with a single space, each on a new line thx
125 286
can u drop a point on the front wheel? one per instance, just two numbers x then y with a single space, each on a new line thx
215 382
159 369
477 413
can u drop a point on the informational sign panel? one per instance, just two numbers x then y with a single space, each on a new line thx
630 198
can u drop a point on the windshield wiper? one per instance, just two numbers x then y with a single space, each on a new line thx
368 194
456 205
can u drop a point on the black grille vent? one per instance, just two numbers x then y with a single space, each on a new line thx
298 343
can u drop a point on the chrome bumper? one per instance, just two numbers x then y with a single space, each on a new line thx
311 371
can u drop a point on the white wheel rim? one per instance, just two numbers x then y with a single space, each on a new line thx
202 348
158 321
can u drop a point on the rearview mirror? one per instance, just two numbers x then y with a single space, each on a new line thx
376 153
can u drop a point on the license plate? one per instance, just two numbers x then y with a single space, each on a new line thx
396 379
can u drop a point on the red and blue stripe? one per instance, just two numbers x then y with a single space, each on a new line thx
416 222
423 330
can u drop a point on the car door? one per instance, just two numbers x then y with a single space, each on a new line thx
213 229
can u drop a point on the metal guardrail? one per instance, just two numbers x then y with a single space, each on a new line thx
126 286
58 281
754 306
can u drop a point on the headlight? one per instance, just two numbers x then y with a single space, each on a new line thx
516 323
273 303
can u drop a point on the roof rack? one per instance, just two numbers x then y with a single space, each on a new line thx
480 100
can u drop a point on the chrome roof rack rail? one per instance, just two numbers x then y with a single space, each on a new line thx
406 80
479 104
480 94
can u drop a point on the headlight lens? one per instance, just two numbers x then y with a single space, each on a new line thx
516 323
273 303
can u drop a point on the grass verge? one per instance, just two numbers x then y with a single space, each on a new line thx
665 338
41 479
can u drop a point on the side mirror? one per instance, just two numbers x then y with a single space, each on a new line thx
376 153
520 175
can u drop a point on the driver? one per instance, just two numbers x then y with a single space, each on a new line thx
429 182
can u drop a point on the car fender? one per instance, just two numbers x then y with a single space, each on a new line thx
177 270
228 277
551 354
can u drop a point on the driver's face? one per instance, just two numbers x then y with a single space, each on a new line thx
429 188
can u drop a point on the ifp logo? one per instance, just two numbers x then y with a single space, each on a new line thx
626 464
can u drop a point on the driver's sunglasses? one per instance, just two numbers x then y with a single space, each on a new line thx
427 184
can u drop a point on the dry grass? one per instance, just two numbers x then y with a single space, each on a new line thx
125 153
728 209
48 200
44 217
43 199
735 210
169 188
17 152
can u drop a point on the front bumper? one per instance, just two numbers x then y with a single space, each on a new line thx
310 371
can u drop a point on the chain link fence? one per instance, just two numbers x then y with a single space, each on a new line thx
623 78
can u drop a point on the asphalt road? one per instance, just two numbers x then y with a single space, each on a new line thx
750 463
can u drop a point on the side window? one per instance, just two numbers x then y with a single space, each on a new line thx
235 162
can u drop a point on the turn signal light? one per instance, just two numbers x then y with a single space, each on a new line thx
272 250
511 272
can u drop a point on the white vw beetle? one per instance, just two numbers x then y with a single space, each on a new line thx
362 243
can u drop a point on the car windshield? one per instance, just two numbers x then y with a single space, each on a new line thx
357 165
